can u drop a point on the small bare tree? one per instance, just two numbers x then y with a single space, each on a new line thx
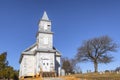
96 50
68 65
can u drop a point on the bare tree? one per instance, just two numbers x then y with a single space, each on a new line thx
96 50
68 65
77 69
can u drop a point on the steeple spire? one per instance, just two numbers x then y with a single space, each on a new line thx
45 17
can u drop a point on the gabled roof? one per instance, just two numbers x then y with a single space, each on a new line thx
31 47
57 52
27 51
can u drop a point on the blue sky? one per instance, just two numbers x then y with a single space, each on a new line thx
73 21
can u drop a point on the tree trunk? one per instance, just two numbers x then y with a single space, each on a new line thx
95 67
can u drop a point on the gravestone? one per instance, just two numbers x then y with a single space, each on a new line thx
62 72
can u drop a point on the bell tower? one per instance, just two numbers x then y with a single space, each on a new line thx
45 35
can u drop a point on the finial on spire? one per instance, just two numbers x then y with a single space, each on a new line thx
45 17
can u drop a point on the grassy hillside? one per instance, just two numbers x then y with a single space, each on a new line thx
88 76
94 76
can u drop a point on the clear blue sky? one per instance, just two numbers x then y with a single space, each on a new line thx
73 21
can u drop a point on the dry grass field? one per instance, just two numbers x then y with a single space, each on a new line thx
94 76
88 76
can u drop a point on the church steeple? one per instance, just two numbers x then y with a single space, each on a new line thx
45 16
45 35
45 23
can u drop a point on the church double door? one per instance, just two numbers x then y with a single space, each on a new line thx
47 66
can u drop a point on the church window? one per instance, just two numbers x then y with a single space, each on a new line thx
45 40
45 27
43 63
47 64
51 63
39 66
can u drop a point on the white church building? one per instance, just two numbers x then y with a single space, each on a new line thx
42 56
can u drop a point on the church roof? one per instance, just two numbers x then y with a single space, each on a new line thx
58 53
45 16
29 52
29 48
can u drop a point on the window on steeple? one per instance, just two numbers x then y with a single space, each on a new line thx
45 40
45 27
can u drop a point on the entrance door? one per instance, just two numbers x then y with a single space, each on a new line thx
46 65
